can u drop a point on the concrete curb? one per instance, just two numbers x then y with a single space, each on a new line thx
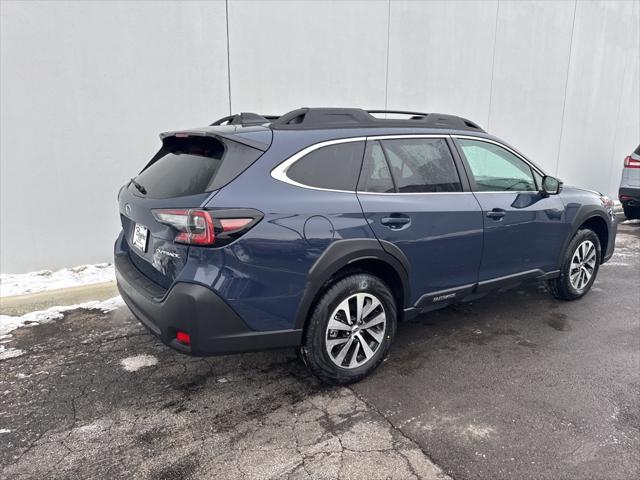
17 305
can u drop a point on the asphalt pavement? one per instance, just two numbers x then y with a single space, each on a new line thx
516 385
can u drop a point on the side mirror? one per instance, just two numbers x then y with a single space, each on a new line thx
551 185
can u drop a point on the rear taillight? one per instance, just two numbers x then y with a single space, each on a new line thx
183 338
208 227
195 227
630 162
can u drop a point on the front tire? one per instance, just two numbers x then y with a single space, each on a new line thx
579 267
350 330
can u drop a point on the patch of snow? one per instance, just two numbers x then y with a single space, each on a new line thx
628 222
40 281
133 364
479 431
5 430
6 353
96 427
9 323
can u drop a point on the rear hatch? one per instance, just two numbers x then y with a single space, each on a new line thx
188 169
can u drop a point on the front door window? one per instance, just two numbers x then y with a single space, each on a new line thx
495 169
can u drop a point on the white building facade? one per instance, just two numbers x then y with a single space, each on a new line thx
86 87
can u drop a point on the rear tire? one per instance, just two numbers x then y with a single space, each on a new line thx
579 267
632 213
363 311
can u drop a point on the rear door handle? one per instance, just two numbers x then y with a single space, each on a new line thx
396 222
496 213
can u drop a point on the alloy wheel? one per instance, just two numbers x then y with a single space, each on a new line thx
583 264
355 330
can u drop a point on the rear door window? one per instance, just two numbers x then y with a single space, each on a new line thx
375 176
422 165
194 165
334 167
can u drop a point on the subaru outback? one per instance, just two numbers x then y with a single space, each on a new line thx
322 228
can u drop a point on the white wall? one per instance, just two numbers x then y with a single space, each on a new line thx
87 86
85 89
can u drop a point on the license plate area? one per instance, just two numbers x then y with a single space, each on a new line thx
140 237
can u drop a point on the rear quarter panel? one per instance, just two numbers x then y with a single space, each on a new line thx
263 274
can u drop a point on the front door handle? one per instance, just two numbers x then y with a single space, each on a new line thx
496 213
396 223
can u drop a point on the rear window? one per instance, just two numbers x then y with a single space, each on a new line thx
637 152
334 167
194 165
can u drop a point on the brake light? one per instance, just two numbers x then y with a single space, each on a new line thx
183 338
630 162
195 227
198 227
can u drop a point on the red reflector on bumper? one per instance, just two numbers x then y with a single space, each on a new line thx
183 338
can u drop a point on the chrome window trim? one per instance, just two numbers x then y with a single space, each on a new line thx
510 150
506 191
280 171
359 192
408 135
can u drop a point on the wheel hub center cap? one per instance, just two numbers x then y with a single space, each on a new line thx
355 329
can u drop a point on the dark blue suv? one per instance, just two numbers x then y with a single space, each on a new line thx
324 227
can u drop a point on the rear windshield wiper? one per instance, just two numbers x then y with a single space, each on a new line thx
140 188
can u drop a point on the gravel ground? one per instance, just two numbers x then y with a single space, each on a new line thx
517 385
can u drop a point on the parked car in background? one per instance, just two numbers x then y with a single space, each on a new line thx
321 229
629 192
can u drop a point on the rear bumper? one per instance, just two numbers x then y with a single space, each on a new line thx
214 328
629 196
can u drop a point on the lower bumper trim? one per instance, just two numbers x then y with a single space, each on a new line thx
214 327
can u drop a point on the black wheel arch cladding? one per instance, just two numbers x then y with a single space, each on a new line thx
342 253
585 214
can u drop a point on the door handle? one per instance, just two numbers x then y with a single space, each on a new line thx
496 213
396 222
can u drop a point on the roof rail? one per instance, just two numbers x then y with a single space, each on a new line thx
304 118
313 117
401 112
244 119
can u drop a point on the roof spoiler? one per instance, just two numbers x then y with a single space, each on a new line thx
254 140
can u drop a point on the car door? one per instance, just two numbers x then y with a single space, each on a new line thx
414 197
523 228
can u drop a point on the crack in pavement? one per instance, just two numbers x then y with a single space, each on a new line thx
268 419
